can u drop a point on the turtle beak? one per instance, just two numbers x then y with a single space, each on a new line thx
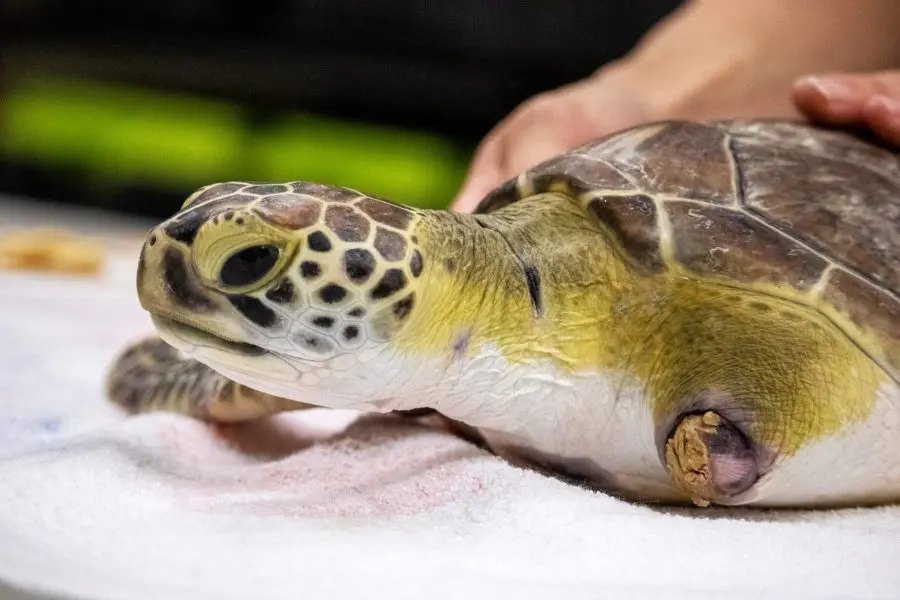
167 286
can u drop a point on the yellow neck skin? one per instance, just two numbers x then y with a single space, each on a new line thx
476 286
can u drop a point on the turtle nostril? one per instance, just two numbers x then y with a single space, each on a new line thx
248 266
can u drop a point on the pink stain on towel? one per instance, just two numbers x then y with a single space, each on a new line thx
287 465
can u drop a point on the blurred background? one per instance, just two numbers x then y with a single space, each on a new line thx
130 106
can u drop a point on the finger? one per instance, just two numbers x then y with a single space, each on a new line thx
533 145
495 160
509 155
484 173
835 99
882 114
839 98
473 192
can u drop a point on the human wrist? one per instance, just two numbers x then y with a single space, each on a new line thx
711 59
679 71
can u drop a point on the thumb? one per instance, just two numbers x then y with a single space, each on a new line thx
484 175
472 193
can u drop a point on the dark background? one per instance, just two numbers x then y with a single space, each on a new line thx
446 70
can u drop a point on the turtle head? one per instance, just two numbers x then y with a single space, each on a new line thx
297 290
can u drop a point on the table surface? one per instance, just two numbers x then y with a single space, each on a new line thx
120 234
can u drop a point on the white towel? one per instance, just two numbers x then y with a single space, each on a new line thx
95 504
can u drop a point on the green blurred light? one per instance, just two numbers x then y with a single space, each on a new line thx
122 134
404 166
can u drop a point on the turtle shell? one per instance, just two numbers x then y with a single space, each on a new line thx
776 202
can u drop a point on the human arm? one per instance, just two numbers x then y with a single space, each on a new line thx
709 59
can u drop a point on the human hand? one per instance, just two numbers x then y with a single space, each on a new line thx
870 100
547 125
562 119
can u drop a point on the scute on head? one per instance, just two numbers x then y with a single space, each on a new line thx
213 192
348 224
284 210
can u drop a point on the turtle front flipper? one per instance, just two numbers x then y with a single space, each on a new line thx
710 459
153 376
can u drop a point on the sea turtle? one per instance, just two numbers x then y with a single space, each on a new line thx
679 312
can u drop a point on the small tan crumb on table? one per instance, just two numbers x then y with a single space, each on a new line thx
53 250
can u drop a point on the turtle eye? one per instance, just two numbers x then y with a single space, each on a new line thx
248 266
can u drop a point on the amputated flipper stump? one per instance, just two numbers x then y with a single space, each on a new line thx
710 459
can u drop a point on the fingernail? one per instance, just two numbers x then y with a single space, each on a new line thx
887 104
830 89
